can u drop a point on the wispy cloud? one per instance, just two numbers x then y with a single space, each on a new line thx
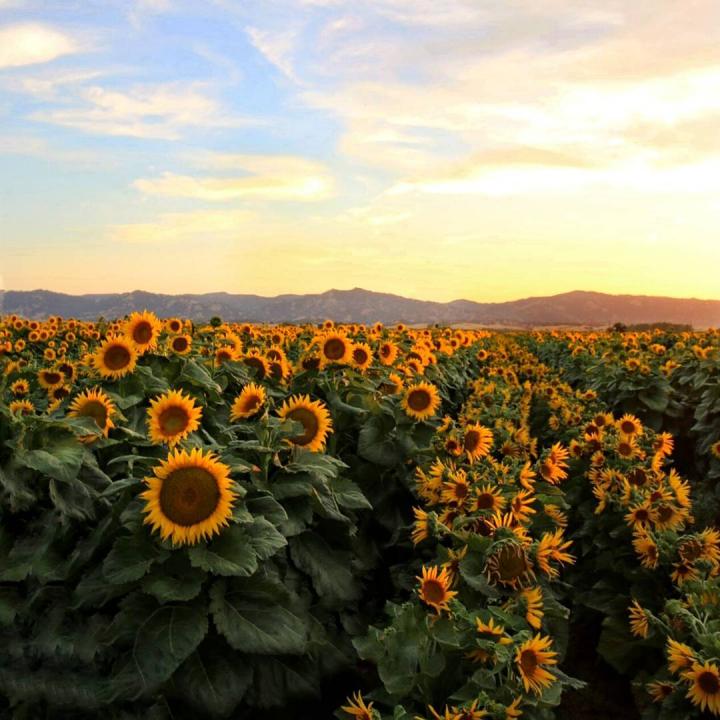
277 47
160 111
267 177
33 43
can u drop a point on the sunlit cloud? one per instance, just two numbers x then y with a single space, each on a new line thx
33 43
268 177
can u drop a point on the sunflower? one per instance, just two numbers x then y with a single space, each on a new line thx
477 442
181 344
361 356
50 379
530 658
489 498
96 405
115 358
509 566
173 325
256 361
388 353
421 528
553 546
646 548
704 686
421 400
143 330
334 348
532 599
659 690
715 449
172 417
638 620
21 407
190 498
358 709
313 416
392 385
225 353
434 588
248 402
680 656
629 425
20 388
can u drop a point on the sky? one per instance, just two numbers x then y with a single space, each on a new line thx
438 149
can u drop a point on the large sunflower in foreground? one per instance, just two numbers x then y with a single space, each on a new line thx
96 405
530 658
421 401
704 686
314 417
172 417
143 329
248 402
190 498
115 358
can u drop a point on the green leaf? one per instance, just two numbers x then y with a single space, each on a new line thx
329 569
61 459
131 557
164 587
265 538
211 683
250 615
166 639
277 680
232 553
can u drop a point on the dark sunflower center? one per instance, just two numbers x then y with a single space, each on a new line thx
665 513
528 661
385 350
189 495
334 349
256 364
709 683
419 400
53 378
472 440
117 357
173 420
311 363
174 325
485 501
461 490
142 332
434 591
96 410
276 370
360 356
309 422
642 515
251 402
511 563
223 355
180 344
625 449
627 427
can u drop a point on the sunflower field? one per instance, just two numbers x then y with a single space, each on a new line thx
358 522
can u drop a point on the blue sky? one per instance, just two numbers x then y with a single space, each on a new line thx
436 149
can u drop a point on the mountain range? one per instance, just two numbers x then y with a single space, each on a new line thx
579 308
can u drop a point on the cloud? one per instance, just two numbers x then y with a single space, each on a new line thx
160 111
33 43
185 227
277 47
267 177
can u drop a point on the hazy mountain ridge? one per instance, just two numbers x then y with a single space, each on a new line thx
358 305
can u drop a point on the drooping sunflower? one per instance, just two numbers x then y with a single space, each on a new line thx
680 656
392 385
313 416
172 417
97 405
115 357
190 498
532 600
421 401
704 688
248 402
509 566
477 442
434 588
21 407
143 330
257 362
531 658
639 625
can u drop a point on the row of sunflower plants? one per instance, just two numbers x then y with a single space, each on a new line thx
640 554
200 519
481 631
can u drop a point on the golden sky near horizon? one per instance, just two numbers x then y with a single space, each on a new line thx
439 150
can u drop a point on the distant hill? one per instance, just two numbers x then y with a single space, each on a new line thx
357 305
